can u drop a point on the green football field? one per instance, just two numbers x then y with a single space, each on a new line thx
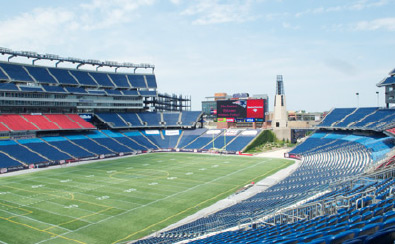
120 200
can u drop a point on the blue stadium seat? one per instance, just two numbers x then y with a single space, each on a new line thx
41 74
16 72
137 81
83 78
102 79
120 80
63 76
151 81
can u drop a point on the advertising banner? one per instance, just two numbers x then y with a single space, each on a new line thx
255 108
231 109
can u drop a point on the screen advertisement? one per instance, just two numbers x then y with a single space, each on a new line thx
249 110
231 109
255 108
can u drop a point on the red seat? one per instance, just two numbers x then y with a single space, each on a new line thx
16 122
42 122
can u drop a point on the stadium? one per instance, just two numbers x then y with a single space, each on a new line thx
127 163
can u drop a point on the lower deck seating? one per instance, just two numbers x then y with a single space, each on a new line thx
21 153
90 145
322 166
69 147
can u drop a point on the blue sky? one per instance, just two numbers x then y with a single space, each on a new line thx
325 50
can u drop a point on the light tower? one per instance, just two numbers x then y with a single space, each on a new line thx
280 116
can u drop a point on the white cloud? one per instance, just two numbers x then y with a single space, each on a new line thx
354 6
214 12
287 25
100 14
36 28
382 23
175 1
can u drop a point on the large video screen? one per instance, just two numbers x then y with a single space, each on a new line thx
255 108
248 110
231 109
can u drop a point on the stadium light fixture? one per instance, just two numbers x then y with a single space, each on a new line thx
378 100
78 61
357 94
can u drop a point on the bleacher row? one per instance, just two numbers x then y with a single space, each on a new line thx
50 78
378 145
359 211
36 122
149 119
371 118
95 144
327 158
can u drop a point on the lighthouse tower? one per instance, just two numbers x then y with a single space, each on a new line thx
280 116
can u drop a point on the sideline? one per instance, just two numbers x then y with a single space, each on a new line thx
65 165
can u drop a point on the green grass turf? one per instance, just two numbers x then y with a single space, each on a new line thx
122 199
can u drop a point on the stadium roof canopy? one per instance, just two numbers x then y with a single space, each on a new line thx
79 62
389 80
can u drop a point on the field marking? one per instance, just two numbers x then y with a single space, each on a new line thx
59 225
194 207
56 196
13 207
142 174
130 190
44 210
35 220
44 231
80 218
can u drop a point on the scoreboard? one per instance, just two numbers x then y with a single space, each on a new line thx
248 110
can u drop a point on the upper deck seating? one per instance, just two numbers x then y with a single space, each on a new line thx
102 79
63 76
8 87
3 76
41 74
189 118
120 80
151 119
16 72
83 78
171 118
151 81
336 115
131 118
112 119
137 81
